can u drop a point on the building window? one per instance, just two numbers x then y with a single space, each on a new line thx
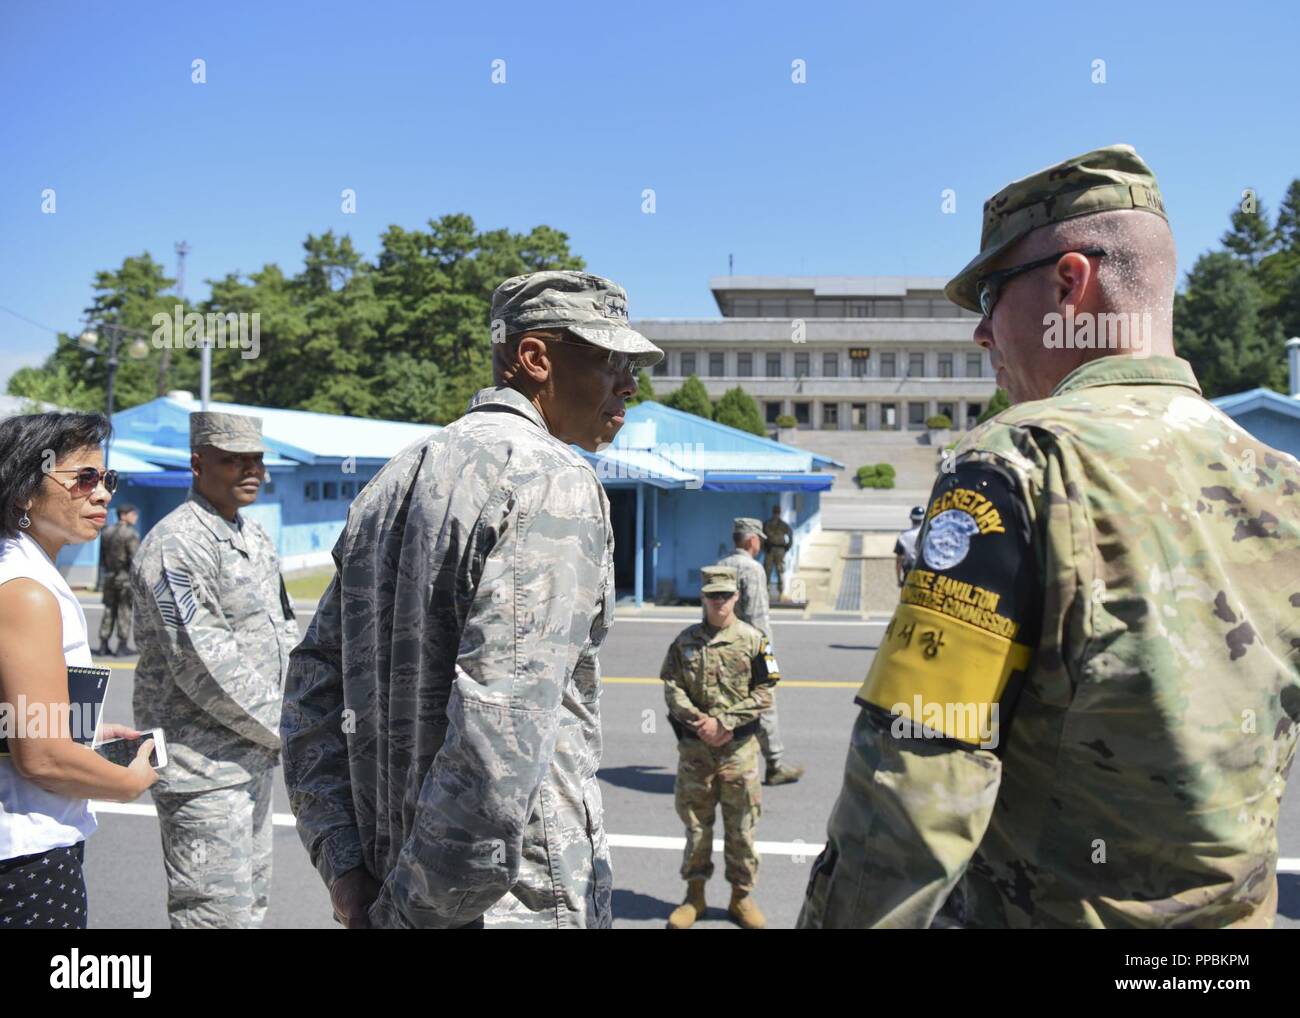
348 489
715 365
330 491
945 365
916 365
773 309
948 411
889 416
974 366
915 416
973 411
688 364
830 415
745 365
801 365
773 369
888 365
859 367
311 491
830 309
801 414
830 365
771 411
745 307
858 417
858 309
803 309
662 367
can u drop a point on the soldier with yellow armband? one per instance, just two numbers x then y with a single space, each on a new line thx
1051 733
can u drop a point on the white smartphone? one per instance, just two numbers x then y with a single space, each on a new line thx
123 751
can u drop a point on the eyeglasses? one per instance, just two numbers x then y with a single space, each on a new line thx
719 595
988 286
619 362
88 479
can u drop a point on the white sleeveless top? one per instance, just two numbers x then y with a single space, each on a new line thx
33 820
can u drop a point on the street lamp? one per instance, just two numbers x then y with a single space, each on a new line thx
117 335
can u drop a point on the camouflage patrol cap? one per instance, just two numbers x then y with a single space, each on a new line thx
746 525
717 580
591 307
228 432
1103 180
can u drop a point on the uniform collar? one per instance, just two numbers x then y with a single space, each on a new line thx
502 397
1123 370
725 635
222 529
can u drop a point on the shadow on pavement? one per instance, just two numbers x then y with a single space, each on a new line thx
640 778
1288 895
634 905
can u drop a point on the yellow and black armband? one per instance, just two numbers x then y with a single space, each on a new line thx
969 615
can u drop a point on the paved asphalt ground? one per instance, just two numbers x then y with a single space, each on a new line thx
822 662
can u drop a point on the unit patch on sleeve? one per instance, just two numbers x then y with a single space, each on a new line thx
968 617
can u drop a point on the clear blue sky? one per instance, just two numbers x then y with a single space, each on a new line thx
841 175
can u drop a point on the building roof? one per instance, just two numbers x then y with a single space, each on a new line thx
1258 399
161 428
674 449
832 286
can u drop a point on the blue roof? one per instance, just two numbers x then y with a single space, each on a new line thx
670 448
162 427
1258 399
714 446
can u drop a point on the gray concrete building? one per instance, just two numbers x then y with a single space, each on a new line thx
872 353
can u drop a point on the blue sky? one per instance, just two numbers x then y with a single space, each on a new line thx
841 175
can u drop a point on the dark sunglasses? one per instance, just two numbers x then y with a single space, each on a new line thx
88 479
719 595
988 286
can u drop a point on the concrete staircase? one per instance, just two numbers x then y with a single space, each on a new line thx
913 461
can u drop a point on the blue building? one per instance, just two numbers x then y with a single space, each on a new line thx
1271 417
675 482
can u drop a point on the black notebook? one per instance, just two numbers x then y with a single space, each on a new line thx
86 689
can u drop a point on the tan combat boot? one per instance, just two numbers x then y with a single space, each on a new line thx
745 910
685 914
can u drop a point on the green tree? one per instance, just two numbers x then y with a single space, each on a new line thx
1250 237
45 385
738 409
997 404
692 398
1220 328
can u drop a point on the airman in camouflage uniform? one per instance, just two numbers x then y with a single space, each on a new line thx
1085 707
442 718
719 676
754 607
118 546
776 542
215 632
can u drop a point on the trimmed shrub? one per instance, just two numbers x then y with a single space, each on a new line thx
875 475
939 422
786 421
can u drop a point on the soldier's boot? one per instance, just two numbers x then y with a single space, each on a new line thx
103 651
745 910
783 774
123 650
685 914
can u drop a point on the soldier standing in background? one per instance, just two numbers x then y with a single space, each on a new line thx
718 676
442 717
753 607
215 629
905 545
118 546
1087 702
776 542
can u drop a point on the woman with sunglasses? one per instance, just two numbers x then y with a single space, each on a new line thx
54 491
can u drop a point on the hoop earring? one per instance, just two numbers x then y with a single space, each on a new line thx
25 521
